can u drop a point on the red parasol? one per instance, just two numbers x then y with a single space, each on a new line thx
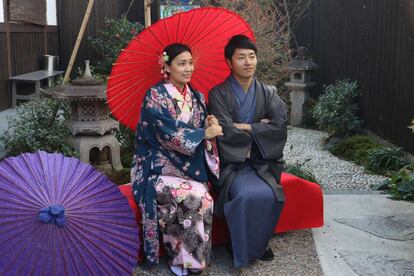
205 30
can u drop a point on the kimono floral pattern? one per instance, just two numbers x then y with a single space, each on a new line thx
185 216
169 175
178 142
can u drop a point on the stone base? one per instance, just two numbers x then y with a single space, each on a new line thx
298 111
84 144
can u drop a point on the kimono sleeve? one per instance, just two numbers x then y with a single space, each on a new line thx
235 144
271 137
212 157
159 125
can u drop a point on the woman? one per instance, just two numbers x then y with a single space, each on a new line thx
169 174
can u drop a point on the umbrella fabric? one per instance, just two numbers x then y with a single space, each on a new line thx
205 30
59 216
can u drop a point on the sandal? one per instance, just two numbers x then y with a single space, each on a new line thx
195 271
268 255
178 270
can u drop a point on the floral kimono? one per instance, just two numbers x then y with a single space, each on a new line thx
169 176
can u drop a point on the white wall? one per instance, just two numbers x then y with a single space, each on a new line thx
51 13
1 11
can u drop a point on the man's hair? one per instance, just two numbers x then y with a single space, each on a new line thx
238 42
174 50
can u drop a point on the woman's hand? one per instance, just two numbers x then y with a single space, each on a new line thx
211 120
213 131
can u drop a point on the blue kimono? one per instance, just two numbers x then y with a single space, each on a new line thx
169 147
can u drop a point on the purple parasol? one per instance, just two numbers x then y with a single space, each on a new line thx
59 216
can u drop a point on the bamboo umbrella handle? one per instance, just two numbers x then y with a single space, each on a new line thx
147 12
78 41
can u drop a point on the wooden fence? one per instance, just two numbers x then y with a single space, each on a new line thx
372 42
22 47
70 14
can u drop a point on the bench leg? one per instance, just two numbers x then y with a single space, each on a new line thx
13 94
37 90
50 81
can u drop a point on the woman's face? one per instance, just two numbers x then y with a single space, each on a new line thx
181 68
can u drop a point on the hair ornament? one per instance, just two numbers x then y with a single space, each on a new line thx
165 57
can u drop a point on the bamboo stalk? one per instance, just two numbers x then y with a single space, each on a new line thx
78 41
147 12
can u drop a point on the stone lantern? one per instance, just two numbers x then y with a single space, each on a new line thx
300 82
90 125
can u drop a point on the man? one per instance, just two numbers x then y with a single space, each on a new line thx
253 118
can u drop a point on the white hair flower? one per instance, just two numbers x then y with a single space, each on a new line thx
165 57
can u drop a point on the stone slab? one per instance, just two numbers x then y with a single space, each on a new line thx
398 227
364 263
345 249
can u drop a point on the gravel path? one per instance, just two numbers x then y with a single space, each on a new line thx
294 255
304 146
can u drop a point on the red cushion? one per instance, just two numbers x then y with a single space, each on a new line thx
303 208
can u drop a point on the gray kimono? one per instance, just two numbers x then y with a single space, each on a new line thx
266 141
249 194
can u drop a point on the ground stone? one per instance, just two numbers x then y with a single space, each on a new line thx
366 264
398 227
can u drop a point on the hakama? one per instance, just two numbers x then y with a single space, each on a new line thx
251 215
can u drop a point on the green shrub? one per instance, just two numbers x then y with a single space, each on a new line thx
336 109
386 159
126 157
298 170
355 148
126 139
119 177
308 119
401 184
38 125
112 39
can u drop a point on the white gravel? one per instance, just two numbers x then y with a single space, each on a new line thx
294 251
304 146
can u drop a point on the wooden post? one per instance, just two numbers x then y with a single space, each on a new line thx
45 39
411 14
78 41
8 48
147 12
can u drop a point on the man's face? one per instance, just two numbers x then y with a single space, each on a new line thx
243 63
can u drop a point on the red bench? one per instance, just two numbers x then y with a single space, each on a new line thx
303 208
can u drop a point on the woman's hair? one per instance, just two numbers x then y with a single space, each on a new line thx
174 50
238 42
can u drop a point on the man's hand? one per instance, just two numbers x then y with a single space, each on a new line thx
243 127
